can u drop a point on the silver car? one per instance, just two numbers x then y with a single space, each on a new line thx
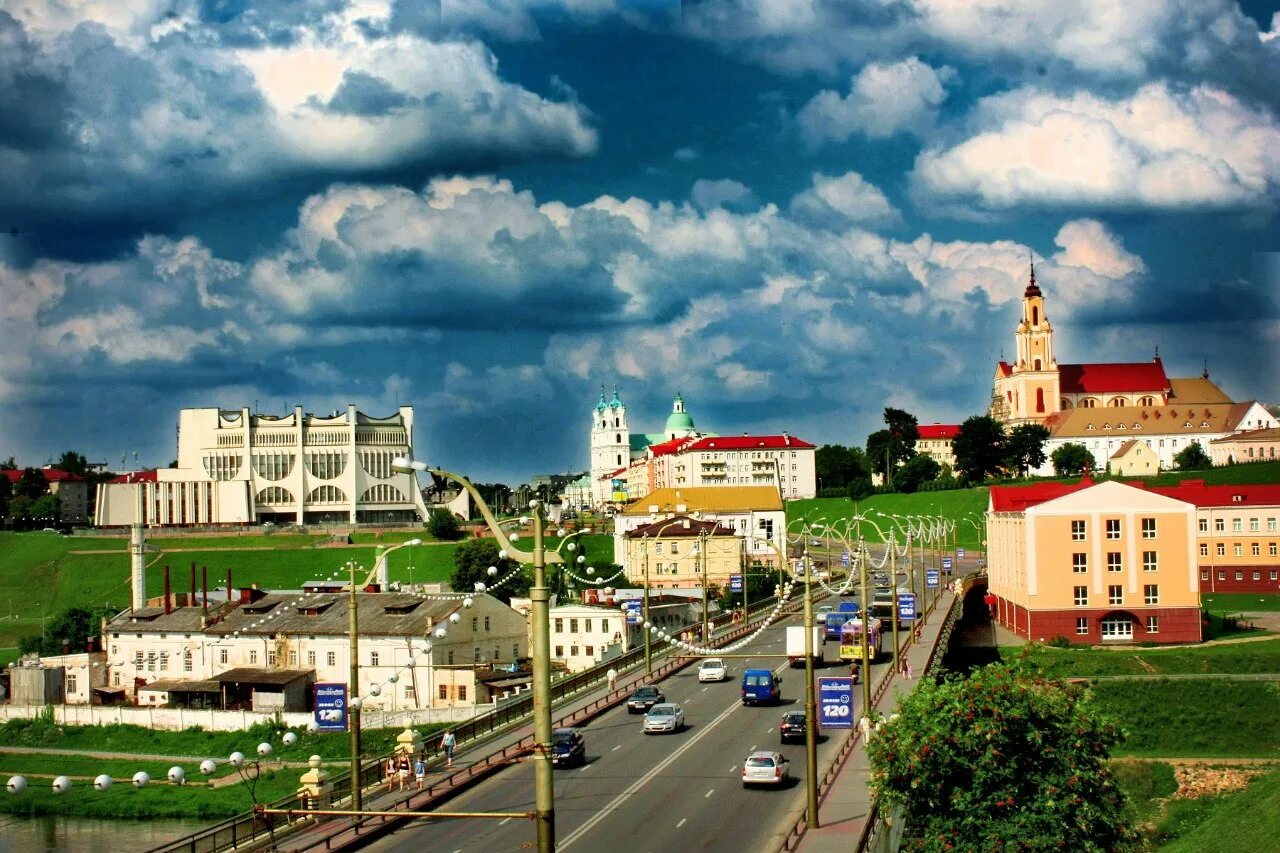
765 768
664 717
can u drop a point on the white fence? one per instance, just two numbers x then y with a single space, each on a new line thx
177 719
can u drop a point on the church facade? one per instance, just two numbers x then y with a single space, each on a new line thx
1105 407
614 446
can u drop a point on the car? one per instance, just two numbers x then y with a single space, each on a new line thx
663 717
792 726
765 768
760 686
568 748
826 608
643 699
712 669
881 578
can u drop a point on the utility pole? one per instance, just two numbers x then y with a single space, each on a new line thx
353 692
810 702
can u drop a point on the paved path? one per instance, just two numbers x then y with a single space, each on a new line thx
843 812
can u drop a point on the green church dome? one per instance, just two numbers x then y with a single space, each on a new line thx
678 420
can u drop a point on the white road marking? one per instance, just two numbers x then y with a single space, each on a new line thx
617 801
753 747
503 821
584 768
768 731
616 748
682 822
708 793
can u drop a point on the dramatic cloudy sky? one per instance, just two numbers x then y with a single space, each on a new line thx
795 212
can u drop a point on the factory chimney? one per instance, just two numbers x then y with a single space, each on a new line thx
138 557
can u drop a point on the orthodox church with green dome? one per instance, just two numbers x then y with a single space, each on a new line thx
614 446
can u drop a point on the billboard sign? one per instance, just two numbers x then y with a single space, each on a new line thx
631 609
835 702
735 583
844 558
959 553
946 564
906 607
931 578
331 707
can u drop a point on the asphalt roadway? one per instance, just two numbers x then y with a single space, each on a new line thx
656 793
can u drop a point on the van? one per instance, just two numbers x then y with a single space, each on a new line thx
760 685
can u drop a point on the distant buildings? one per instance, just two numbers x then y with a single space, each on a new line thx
72 491
627 466
935 441
235 467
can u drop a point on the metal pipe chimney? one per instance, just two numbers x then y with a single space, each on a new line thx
228 585
191 602
138 559
204 586
168 601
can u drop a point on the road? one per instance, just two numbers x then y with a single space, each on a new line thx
652 792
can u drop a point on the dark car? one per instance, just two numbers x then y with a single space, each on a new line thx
644 699
792 726
568 748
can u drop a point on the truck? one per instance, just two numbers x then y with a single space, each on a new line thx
795 644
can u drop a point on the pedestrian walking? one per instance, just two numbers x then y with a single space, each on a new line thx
391 774
447 743
612 675
402 771
420 771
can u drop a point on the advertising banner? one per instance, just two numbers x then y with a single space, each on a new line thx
835 702
331 707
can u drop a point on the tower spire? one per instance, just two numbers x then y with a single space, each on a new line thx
1033 289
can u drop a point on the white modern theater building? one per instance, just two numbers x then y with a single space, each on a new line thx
236 467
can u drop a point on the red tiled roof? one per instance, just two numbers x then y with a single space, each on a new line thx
611 475
1113 378
1021 498
135 477
667 446
50 475
750 442
1004 367
1196 492
939 430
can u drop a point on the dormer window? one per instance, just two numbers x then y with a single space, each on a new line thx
1137 425
1106 426
1089 428
1187 425
1121 426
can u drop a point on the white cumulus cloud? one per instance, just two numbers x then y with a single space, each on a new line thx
1159 148
884 99
843 200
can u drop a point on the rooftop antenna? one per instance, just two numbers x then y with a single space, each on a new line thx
1205 374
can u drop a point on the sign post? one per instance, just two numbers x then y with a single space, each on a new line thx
632 611
946 565
959 553
931 578
906 607
735 583
835 702
331 707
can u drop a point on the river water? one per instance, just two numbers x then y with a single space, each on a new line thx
85 835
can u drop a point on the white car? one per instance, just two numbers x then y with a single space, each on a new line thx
712 669
664 717
765 768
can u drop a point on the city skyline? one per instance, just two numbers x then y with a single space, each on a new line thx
488 210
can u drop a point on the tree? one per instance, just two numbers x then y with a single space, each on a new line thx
31 484
919 469
1192 457
443 525
1024 447
47 507
471 565
893 445
9 464
979 448
73 463
1005 759
72 627
838 466
6 494
1072 458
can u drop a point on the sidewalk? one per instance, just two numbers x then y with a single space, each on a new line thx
843 811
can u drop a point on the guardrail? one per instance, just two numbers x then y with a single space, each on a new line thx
251 828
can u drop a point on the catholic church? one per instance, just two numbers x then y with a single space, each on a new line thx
614 446
1107 406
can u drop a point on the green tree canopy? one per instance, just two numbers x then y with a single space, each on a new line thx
1005 759
979 448
72 628
31 484
6 494
894 444
1024 447
919 469
838 466
471 565
1072 458
47 507
73 463
443 525
1192 457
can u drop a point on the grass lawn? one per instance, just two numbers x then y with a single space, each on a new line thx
1239 602
1262 656
39 573
1193 718
1249 820
954 504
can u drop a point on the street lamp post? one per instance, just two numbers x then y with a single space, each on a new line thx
810 702
539 595
353 691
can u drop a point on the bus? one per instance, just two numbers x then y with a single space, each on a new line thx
851 640
883 606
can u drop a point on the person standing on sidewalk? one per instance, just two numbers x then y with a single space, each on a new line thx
612 675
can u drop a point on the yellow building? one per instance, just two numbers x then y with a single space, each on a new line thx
1133 458
680 551
1257 445
1094 563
